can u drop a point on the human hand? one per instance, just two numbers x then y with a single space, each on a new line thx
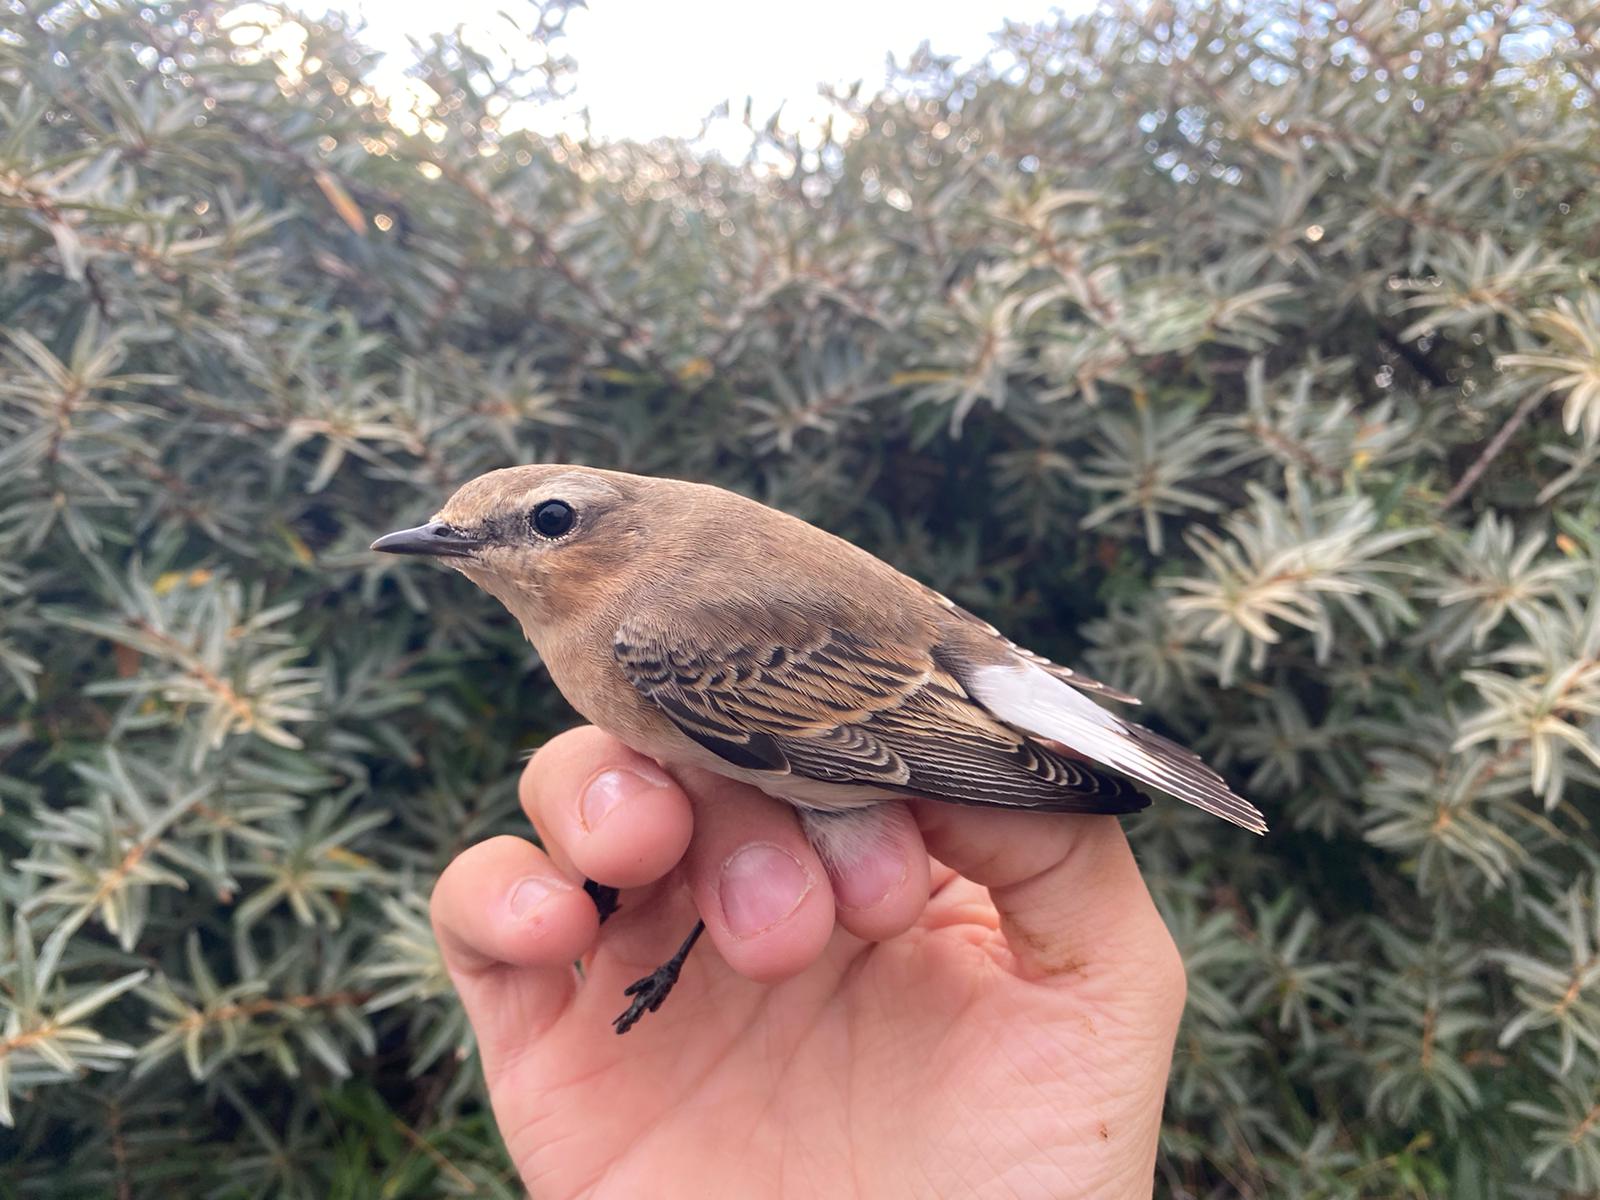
900 1032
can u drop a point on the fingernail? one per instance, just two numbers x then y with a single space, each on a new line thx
870 879
761 885
528 894
610 788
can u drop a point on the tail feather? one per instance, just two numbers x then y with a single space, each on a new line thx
1029 698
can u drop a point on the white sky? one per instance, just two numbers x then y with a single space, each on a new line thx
651 68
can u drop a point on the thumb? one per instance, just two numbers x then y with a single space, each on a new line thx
1068 891
509 926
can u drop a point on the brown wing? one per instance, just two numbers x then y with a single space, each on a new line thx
804 698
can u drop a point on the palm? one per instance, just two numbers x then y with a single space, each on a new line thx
1005 1031
911 1067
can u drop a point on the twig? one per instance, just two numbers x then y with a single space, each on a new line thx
1492 451
119 1152
437 1156
97 291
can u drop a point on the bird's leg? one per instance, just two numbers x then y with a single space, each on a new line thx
605 898
649 992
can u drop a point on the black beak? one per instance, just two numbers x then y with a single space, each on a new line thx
438 539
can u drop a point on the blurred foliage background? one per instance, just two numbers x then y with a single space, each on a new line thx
1248 352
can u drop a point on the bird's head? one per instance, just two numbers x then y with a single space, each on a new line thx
547 541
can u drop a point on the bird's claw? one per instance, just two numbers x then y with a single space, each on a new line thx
648 993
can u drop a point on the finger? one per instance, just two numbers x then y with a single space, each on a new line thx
510 926
877 867
959 901
1068 891
940 876
613 815
760 887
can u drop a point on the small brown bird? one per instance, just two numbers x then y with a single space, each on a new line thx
705 629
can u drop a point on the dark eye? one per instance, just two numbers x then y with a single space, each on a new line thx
552 518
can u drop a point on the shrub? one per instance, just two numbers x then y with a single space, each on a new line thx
1249 353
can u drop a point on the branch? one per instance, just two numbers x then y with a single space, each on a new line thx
1492 451
545 248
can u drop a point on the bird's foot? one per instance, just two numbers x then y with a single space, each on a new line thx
649 992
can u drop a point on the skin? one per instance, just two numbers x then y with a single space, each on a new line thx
985 1007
